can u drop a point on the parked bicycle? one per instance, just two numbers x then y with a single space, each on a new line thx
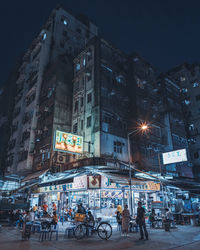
103 229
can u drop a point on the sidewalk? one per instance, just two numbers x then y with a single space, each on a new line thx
184 237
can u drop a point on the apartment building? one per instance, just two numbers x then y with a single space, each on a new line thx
63 33
187 77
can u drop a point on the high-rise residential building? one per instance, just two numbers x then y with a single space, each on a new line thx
100 101
7 95
156 102
187 76
63 33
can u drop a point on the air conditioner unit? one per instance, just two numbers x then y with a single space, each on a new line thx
61 159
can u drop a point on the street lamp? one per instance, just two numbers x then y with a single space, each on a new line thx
142 128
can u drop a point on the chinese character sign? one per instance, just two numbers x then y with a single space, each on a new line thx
174 156
67 142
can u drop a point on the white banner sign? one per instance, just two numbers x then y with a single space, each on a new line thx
174 156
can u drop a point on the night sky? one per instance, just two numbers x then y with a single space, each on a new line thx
166 33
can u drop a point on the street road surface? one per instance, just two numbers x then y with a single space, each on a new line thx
182 238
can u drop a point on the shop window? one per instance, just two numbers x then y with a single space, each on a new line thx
196 155
88 121
118 146
197 97
89 97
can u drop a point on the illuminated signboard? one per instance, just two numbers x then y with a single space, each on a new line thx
66 142
174 156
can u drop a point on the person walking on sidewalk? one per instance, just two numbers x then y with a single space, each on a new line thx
125 221
141 221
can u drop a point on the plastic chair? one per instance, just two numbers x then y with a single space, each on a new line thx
44 231
54 229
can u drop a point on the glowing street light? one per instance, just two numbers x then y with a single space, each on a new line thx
141 128
144 127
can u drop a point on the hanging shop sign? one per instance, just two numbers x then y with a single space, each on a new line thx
80 182
174 156
114 194
94 181
146 186
67 142
55 188
107 183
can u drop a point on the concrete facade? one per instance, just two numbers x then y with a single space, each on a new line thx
187 76
62 33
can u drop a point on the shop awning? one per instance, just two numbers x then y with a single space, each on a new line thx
24 187
34 175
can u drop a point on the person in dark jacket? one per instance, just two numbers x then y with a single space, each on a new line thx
141 221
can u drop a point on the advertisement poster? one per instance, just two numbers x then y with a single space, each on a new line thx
174 156
67 142
94 181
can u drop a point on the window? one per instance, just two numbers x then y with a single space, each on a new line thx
75 128
89 54
44 36
78 66
88 121
182 78
186 102
64 33
65 22
118 146
120 79
81 101
88 76
84 61
191 127
196 155
195 84
81 124
89 97
62 45
76 106
184 90
197 97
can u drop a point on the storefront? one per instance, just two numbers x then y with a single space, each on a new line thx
98 193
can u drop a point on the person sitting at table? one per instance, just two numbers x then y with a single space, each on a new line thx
152 218
54 219
45 206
